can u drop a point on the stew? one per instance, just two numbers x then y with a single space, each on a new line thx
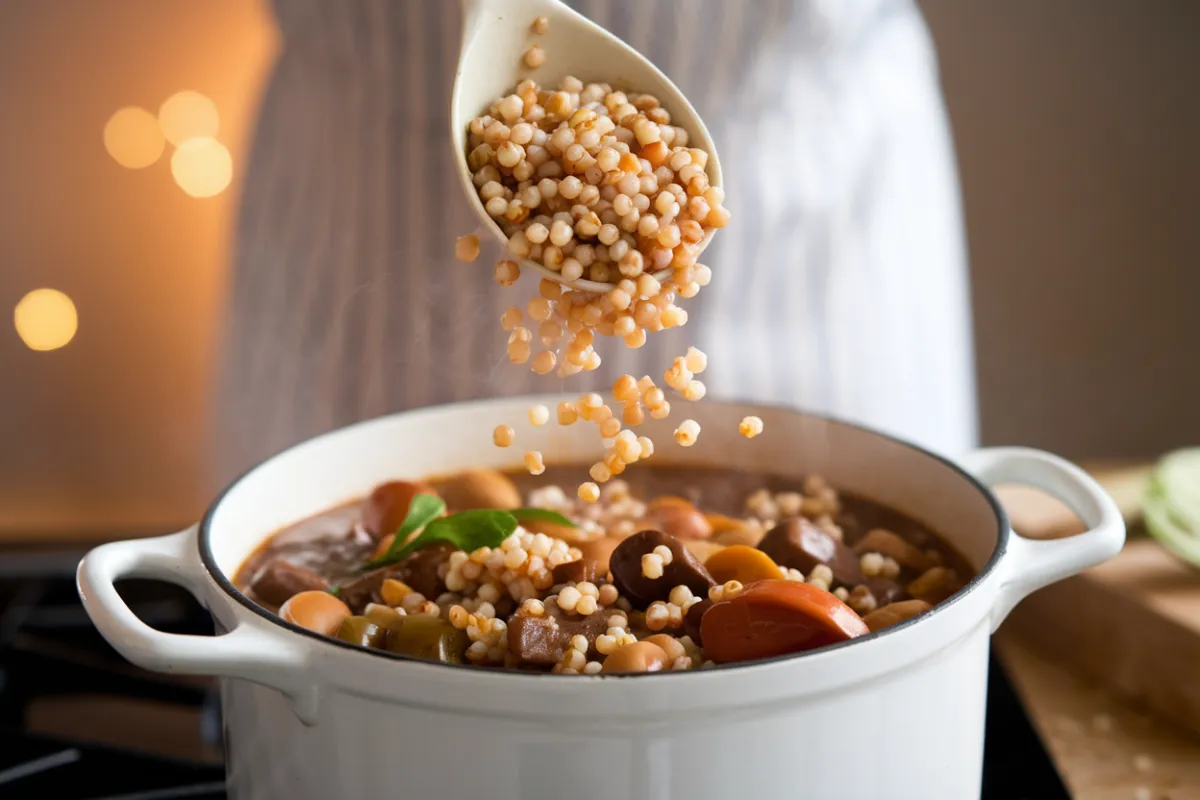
672 569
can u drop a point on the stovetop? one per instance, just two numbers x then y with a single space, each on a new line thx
77 721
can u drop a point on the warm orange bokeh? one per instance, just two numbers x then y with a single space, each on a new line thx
202 167
132 137
45 319
188 115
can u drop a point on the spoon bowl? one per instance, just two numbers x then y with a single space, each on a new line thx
496 34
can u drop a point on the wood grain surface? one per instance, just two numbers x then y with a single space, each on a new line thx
1107 662
1133 625
1104 748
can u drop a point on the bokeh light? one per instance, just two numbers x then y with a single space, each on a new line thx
45 319
132 137
202 167
188 115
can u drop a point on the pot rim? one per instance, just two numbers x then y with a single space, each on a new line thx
226 584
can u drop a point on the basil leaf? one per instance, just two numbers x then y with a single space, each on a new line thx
542 515
423 509
336 591
468 530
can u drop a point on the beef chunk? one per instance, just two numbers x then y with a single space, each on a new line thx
691 620
419 570
685 569
358 592
885 590
543 640
895 547
279 580
584 569
799 544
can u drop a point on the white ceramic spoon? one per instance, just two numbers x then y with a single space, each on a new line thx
496 34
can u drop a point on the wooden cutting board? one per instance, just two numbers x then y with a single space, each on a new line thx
1102 747
1132 624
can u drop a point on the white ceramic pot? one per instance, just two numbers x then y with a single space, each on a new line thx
896 714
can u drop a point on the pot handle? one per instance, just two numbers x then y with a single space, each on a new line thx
1030 564
248 651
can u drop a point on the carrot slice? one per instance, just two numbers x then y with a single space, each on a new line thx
743 564
774 618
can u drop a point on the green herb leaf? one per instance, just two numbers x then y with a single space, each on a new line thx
542 515
336 591
423 509
468 530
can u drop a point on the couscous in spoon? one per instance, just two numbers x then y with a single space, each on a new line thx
496 36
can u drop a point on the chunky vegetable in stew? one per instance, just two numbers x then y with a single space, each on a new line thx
674 569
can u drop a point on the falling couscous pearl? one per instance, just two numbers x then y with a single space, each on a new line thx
687 433
503 435
610 427
507 272
534 463
633 415
543 362
647 446
567 414
511 318
466 248
750 427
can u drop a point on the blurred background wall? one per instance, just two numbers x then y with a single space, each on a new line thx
109 434
1078 135
1077 124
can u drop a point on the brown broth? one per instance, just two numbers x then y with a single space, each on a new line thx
330 544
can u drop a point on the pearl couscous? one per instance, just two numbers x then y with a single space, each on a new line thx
595 183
